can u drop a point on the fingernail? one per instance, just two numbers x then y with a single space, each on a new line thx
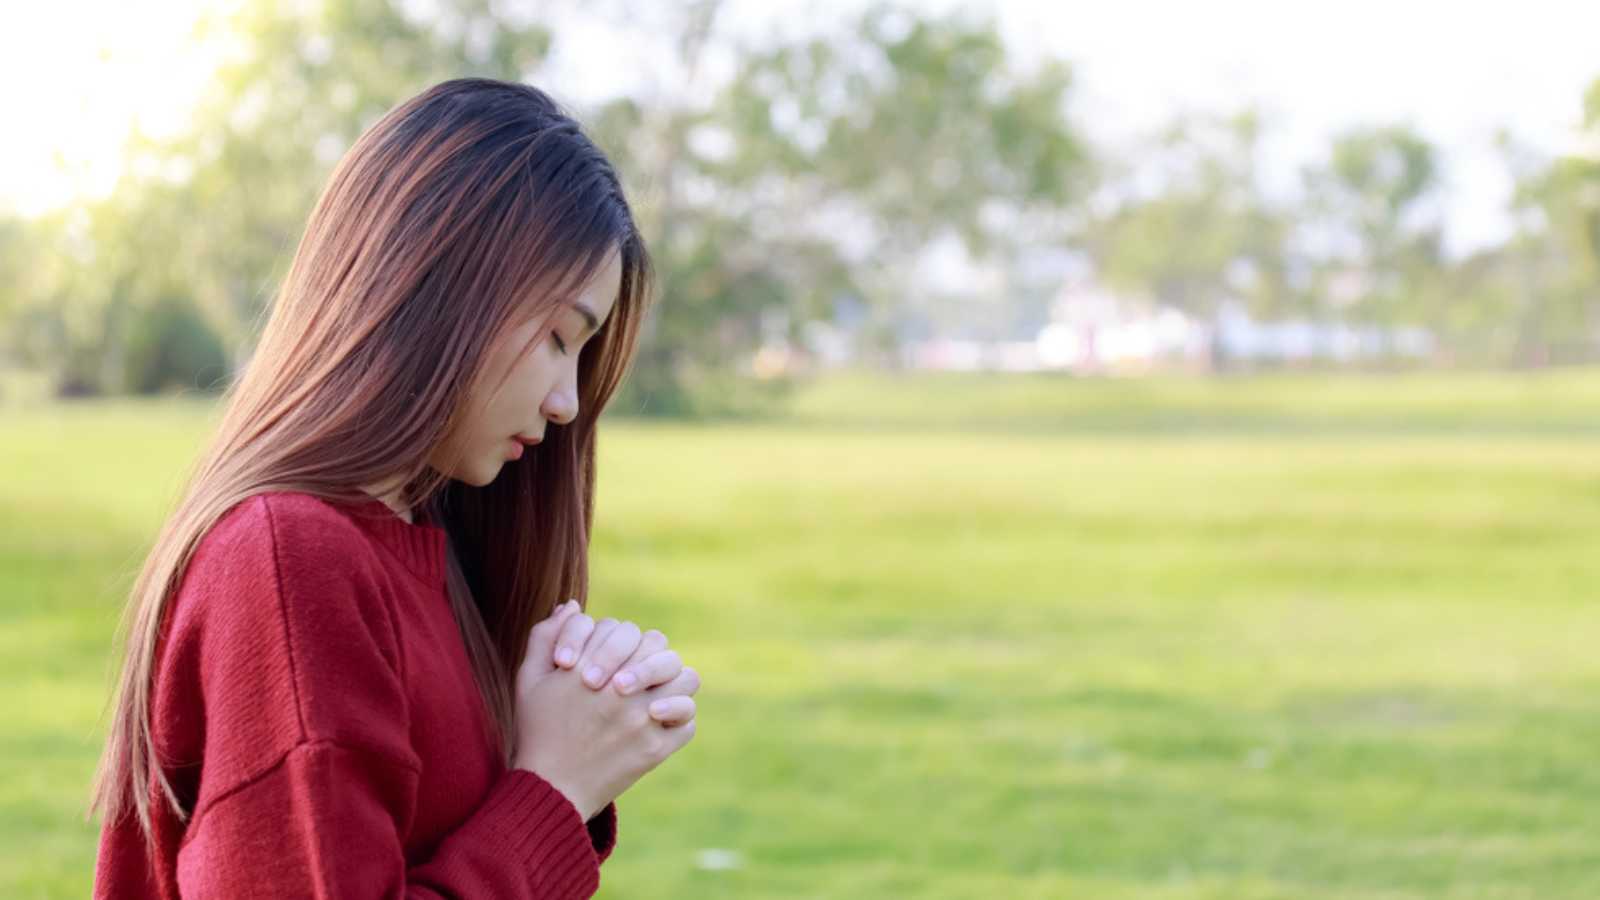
592 675
657 708
566 656
625 681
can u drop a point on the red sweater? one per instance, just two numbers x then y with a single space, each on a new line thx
315 711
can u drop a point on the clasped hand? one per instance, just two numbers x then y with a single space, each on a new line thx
589 746
614 654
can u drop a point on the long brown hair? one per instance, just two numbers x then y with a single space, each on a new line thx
467 210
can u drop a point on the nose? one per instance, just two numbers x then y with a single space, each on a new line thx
561 405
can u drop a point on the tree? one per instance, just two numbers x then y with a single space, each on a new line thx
213 215
820 172
309 80
1542 290
1189 225
1379 226
850 154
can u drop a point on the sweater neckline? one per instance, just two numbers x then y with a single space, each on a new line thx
419 544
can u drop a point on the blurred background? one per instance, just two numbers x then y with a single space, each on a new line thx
1114 450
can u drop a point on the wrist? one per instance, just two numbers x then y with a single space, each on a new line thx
585 807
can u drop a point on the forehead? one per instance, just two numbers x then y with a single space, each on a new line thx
600 294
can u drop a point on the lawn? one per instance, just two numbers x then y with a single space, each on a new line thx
1022 637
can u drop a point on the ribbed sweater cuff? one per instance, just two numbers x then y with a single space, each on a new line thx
603 831
528 820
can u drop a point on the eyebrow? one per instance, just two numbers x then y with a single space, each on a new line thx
589 316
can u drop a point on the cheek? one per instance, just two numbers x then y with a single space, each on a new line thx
514 408
524 391
477 421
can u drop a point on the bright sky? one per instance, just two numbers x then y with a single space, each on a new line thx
78 73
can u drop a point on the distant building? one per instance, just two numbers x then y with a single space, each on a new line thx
1092 331
1301 340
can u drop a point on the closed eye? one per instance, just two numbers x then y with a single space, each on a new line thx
559 344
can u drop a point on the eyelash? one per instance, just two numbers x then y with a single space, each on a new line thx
559 344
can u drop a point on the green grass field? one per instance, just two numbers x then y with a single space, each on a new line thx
974 637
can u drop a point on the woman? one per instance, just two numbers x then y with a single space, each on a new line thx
346 673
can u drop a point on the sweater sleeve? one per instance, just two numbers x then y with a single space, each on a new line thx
321 823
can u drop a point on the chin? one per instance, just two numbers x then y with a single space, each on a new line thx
480 476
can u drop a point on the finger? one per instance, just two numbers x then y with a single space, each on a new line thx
658 668
605 654
542 636
650 643
602 630
672 710
682 734
574 635
683 685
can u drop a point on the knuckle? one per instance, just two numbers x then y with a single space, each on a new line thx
637 718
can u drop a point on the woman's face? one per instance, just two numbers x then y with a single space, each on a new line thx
537 384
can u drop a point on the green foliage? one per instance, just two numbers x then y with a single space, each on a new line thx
1382 233
215 212
1535 299
13 263
902 130
1206 233
819 172
172 346
823 175
1383 171
907 126
308 79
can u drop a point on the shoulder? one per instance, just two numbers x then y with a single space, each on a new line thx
290 525
291 541
294 561
286 590
282 628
